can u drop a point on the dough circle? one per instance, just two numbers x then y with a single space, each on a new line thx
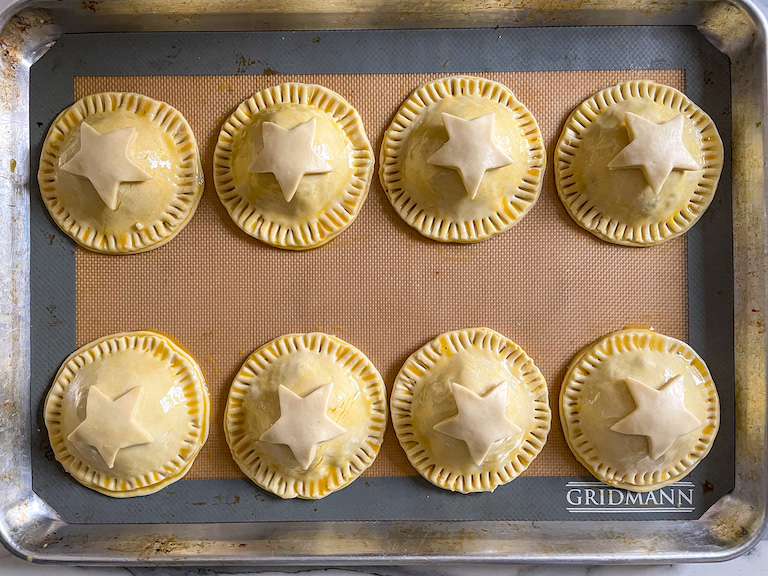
167 391
479 361
304 364
595 396
433 198
149 213
324 204
619 205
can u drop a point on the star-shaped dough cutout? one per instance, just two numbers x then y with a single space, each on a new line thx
470 150
110 425
660 415
481 420
105 160
303 423
289 155
656 149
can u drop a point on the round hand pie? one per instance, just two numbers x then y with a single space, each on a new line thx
293 165
471 410
462 160
128 413
639 410
638 163
120 173
306 415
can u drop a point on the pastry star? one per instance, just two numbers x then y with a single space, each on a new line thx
289 155
303 423
110 425
660 415
656 149
470 150
105 160
481 420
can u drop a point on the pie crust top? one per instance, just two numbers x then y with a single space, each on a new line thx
462 160
305 415
639 410
128 413
293 165
120 172
471 410
638 163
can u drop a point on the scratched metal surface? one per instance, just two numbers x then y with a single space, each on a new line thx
31 528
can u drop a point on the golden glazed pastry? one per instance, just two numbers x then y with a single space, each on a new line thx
638 163
120 173
471 410
639 410
305 415
293 165
462 160
128 413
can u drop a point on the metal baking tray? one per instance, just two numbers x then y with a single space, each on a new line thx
33 530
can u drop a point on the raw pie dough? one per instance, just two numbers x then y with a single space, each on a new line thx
471 410
462 160
120 173
638 163
639 410
305 415
293 165
128 413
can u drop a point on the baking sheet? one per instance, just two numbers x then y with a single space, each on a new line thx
546 263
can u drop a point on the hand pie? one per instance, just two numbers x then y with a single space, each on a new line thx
120 173
306 415
639 410
462 160
638 163
471 410
128 413
293 165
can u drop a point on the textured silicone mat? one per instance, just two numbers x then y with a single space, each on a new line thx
546 284
380 285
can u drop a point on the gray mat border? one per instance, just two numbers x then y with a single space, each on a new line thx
52 279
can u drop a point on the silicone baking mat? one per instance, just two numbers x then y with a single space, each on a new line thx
381 286
547 284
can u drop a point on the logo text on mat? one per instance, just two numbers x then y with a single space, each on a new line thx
596 497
